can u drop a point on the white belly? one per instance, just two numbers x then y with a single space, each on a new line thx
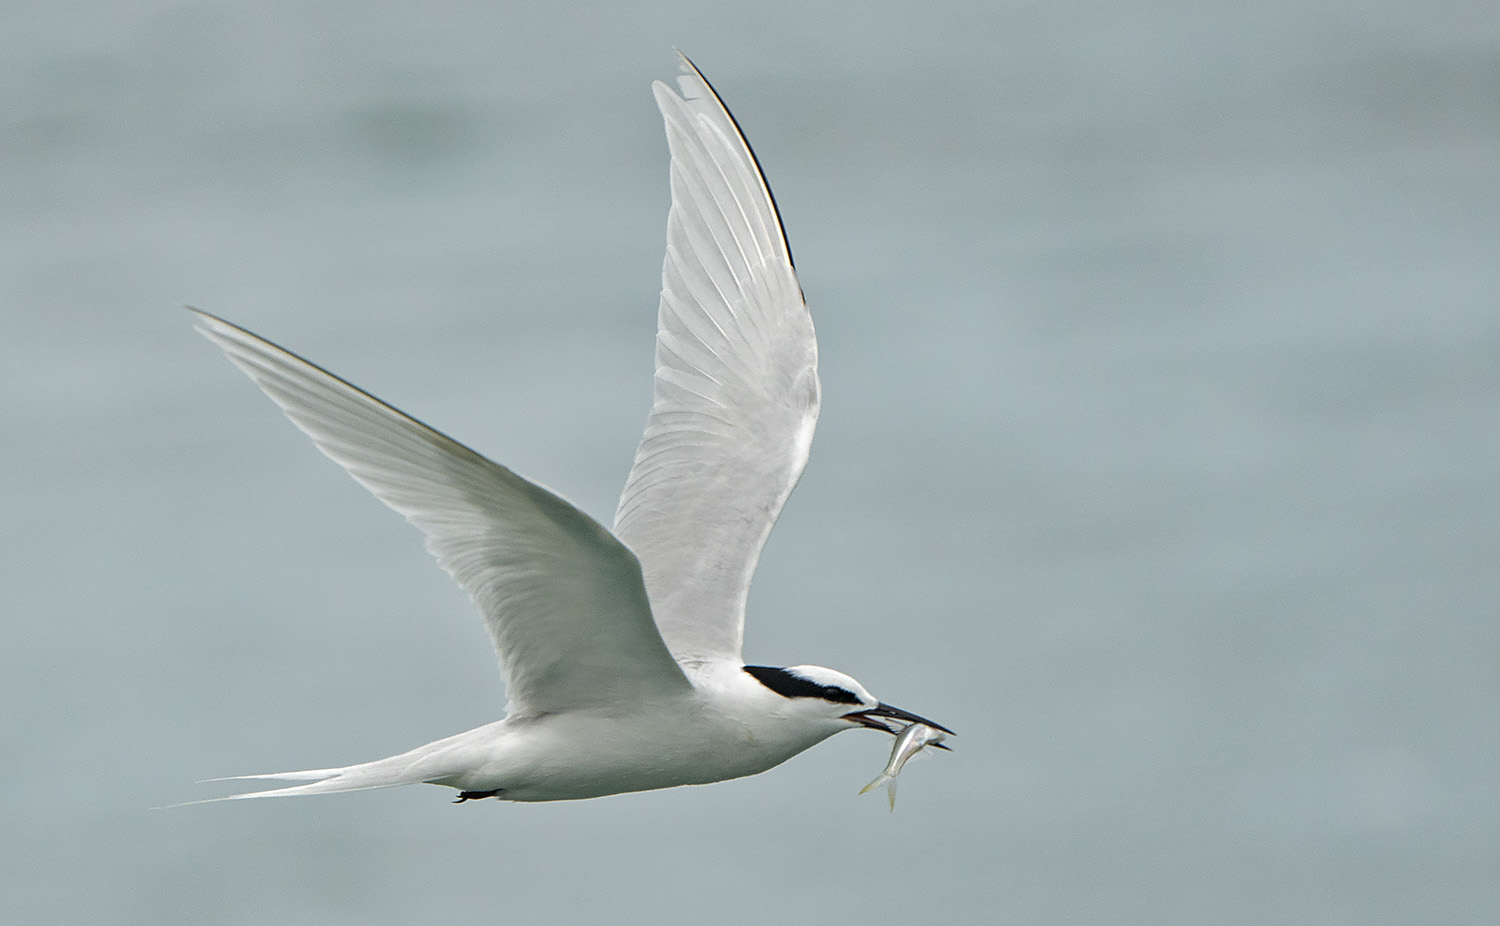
581 755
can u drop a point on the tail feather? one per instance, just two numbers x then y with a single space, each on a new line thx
381 774
326 786
441 762
312 774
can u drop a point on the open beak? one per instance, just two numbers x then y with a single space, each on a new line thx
872 718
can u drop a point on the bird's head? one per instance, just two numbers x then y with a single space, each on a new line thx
818 693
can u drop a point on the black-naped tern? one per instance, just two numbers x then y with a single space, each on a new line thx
621 650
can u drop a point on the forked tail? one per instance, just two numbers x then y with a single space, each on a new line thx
381 774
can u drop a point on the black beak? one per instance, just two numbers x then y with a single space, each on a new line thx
870 719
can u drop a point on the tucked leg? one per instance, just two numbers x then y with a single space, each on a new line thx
475 795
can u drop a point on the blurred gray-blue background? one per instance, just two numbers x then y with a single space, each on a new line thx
1159 455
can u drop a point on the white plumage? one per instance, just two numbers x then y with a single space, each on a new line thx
621 651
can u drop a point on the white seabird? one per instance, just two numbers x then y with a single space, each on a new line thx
620 650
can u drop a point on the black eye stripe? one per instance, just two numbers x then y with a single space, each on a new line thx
790 685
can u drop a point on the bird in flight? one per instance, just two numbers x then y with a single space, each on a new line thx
620 648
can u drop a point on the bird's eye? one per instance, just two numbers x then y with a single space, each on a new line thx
839 695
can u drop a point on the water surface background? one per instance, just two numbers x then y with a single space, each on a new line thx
1159 453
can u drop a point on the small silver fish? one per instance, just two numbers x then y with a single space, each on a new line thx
909 742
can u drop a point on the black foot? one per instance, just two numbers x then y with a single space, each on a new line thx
474 795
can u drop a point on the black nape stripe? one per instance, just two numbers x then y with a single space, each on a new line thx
790 685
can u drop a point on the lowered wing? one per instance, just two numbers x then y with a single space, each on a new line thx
562 598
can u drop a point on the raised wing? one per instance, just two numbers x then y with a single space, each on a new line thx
563 599
736 394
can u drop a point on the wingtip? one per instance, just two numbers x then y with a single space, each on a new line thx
686 63
695 89
199 315
690 81
210 325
